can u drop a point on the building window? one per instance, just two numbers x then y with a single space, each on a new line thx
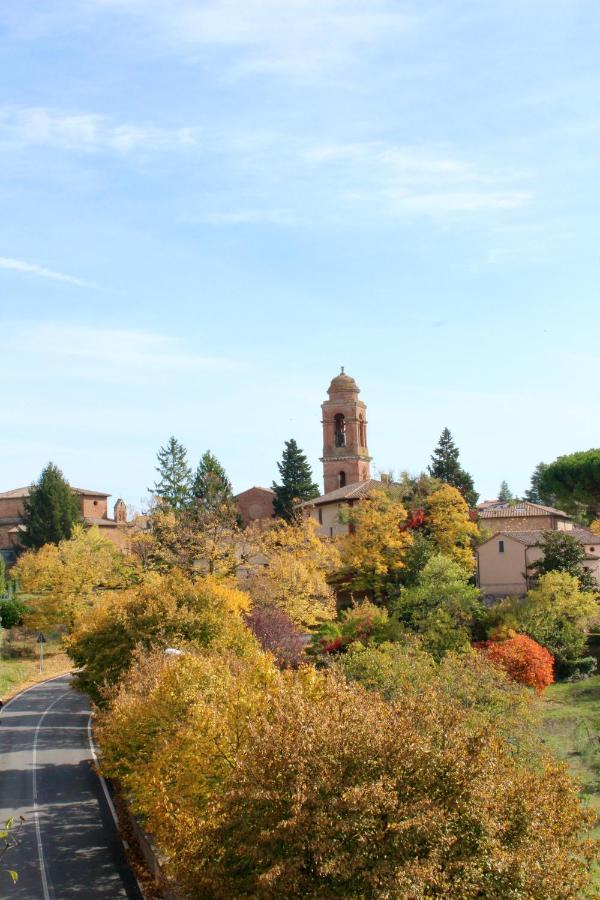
340 430
500 546
342 479
320 516
362 432
95 503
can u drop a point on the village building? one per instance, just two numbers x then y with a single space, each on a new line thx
505 561
255 505
94 511
346 461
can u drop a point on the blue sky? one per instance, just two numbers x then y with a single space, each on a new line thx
208 206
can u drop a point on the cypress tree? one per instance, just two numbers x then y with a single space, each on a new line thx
296 482
505 492
174 486
445 465
51 510
211 486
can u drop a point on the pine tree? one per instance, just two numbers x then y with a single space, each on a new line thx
296 482
533 494
446 467
51 510
174 486
211 486
505 492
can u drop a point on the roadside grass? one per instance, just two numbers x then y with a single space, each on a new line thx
19 660
571 730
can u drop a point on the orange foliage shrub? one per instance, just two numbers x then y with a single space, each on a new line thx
522 658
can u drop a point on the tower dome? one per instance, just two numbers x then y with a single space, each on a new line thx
343 382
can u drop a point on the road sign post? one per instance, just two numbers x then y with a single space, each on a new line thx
41 640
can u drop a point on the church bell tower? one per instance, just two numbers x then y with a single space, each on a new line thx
345 457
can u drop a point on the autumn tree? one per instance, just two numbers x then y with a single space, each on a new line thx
261 784
67 578
375 549
51 510
450 525
295 577
446 467
574 480
197 539
211 487
162 611
297 483
526 661
174 485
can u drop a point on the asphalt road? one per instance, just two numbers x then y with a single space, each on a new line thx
69 846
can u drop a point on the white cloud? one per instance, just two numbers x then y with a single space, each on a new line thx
27 268
109 354
88 132
297 38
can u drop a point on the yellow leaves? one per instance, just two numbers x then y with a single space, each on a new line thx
259 783
595 527
67 577
235 600
295 577
450 525
377 544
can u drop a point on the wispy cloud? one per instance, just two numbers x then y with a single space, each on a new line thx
27 268
295 38
109 354
87 132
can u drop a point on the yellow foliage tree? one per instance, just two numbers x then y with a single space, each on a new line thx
295 578
450 525
377 544
162 611
264 784
595 526
66 578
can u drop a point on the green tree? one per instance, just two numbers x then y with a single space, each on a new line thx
51 510
443 607
505 492
211 486
296 482
445 465
534 494
564 553
174 485
575 482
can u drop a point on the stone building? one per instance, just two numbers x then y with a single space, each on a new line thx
346 461
255 505
505 560
94 511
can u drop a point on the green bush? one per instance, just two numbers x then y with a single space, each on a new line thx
11 612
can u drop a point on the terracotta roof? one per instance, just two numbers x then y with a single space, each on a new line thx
507 510
255 487
101 523
356 491
536 536
24 492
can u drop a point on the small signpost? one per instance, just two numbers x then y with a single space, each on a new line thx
41 640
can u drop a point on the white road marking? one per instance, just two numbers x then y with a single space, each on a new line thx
36 685
38 831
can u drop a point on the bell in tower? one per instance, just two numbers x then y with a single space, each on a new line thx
345 457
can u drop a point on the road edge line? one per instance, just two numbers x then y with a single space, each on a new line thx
30 688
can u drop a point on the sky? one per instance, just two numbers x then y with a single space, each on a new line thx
209 206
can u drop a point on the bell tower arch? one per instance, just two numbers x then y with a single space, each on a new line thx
345 457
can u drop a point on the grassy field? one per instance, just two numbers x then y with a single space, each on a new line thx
572 732
19 660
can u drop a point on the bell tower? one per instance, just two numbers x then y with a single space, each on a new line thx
345 457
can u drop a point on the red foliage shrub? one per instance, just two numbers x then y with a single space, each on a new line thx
522 658
277 633
415 521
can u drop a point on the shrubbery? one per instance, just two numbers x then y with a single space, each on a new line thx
265 784
523 659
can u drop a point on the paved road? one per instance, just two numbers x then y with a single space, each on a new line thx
69 845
